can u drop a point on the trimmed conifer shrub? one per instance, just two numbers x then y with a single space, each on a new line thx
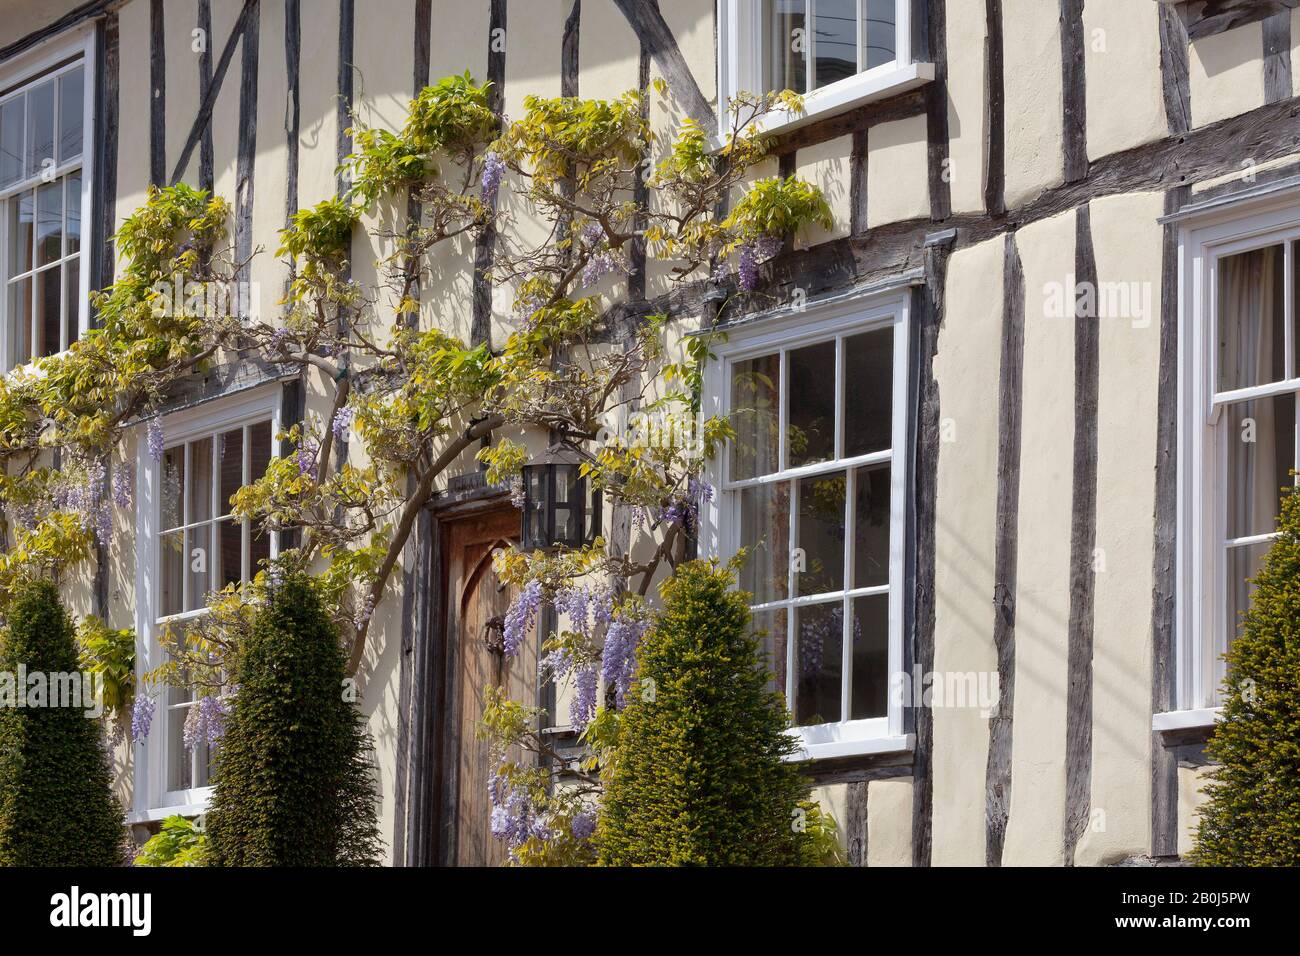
699 775
1252 817
292 774
56 800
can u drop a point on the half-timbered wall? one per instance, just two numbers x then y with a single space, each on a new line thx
1052 140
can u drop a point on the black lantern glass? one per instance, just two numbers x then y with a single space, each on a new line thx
561 510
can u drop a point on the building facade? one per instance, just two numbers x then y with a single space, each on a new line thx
1027 435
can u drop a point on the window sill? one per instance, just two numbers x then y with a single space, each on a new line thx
1177 721
158 814
860 747
849 93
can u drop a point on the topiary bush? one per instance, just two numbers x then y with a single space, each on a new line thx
700 774
292 775
1252 817
56 800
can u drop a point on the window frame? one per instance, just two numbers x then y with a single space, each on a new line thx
152 800
1205 237
834 319
740 67
49 58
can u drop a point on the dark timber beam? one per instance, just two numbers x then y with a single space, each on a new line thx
1175 80
1083 542
246 160
936 111
481 323
1207 17
1164 765
203 118
994 112
920 600
648 23
157 94
1277 57
997 778
1074 91
206 174
346 88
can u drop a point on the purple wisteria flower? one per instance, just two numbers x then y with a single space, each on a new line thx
514 817
307 459
517 496
205 721
748 267
142 712
618 657
520 617
124 487
343 421
155 439
493 169
583 825
582 707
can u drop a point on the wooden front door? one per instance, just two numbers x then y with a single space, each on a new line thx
476 606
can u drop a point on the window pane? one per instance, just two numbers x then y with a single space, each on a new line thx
871 527
179 768
173 481
868 392
1261 453
818 663
880 32
810 432
198 565
202 765
19 320
72 296
230 569
787 45
821 533
260 442
771 626
836 46
22 217
73 201
40 128
1250 318
11 142
1243 566
755 410
765 533
49 314
49 223
870 656
171 565
200 490
71 108
230 451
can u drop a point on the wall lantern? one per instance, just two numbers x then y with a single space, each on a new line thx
561 510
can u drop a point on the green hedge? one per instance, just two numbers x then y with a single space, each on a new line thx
56 801
700 775
1253 814
293 779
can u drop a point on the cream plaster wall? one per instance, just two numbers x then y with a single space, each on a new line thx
1043 576
1125 103
898 177
1128 244
966 37
1226 73
967 369
1032 92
